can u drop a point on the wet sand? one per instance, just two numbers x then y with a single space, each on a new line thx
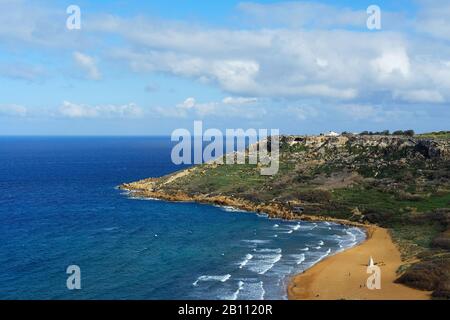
344 276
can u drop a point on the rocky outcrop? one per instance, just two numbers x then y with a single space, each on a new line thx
434 149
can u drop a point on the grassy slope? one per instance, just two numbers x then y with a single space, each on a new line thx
406 198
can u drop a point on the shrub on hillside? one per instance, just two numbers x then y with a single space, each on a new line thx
378 215
442 240
316 196
431 275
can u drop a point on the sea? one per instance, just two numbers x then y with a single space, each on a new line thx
60 207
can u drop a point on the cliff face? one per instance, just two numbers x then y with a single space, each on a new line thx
348 148
398 182
308 163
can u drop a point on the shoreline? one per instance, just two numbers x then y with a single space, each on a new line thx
273 210
341 276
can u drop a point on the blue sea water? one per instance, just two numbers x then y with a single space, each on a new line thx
59 206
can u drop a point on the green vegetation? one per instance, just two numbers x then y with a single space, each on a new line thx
399 181
435 135
374 199
408 133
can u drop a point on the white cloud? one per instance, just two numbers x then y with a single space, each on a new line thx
433 18
392 61
187 104
35 24
358 111
88 65
238 107
419 96
305 50
303 112
322 62
13 110
377 114
280 63
73 110
238 100
21 71
303 14
236 74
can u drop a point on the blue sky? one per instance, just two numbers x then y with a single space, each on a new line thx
145 68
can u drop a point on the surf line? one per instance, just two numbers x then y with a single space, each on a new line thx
190 310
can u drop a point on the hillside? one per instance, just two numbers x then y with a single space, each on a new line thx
397 182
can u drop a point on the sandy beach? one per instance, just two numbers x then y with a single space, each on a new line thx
343 276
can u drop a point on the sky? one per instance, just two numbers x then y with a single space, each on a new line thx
149 68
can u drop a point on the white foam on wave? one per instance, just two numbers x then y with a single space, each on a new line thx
321 243
230 209
358 231
110 229
287 231
262 215
352 238
351 235
299 258
235 295
263 250
244 262
257 241
223 278
322 257
294 227
252 291
308 227
305 249
142 198
276 225
261 263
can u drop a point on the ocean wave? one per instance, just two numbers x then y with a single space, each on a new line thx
142 250
305 249
321 243
257 241
142 198
261 263
262 215
294 227
321 257
235 295
263 250
299 258
244 262
223 278
251 291
308 227
229 209
352 236
110 229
